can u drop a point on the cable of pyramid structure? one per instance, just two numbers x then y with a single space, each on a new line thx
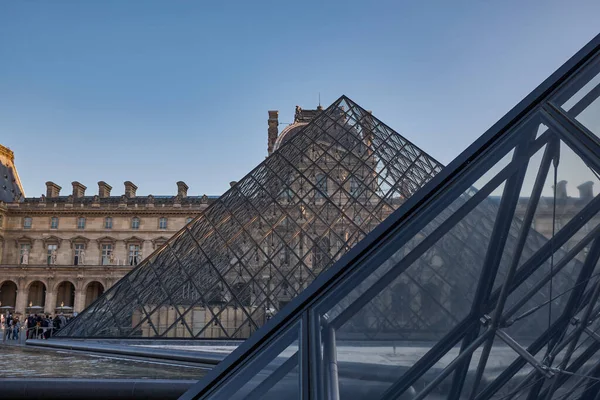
269 235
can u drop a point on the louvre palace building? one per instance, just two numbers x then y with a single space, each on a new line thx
331 177
60 251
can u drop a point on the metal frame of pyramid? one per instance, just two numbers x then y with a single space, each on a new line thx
527 325
261 243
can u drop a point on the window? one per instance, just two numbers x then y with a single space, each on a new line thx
106 254
81 223
24 252
79 254
27 222
188 220
135 223
134 254
321 186
51 255
162 223
54 223
354 186
108 223
321 253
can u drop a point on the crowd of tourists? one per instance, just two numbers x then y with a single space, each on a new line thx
39 326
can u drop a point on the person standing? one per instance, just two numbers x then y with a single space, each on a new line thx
16 328
7 326
30 325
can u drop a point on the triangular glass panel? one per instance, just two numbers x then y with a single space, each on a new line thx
484 284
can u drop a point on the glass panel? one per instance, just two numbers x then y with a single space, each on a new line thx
581 98
272 375
405 302
270 235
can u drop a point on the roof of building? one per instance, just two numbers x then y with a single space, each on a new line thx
10 184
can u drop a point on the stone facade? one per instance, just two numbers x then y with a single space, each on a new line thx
60 252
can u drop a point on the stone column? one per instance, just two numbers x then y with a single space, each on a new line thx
79 300
50 301
21 301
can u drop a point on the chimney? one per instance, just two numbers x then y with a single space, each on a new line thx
52 189
182 189
104 189
273 129
561 190
78 189
130 189
586 192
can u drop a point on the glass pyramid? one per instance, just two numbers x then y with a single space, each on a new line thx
267 238
484 284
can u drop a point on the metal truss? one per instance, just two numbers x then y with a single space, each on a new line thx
266 239
457 294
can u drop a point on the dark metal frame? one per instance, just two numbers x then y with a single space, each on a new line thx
488 312
237 244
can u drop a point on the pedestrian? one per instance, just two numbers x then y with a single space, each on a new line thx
38 326
30 325
16 328
8 326
49 324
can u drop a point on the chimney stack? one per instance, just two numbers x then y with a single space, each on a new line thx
130 189
182 189
586 192
104 189
52 189
78 189
561 190
273 129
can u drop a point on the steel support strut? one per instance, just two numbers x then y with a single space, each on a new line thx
504 218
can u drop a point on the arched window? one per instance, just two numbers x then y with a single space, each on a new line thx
162 223
354 186
135 223
430 299
401 302
108 223
54 223
242 293
27 221
321 253
321 185
81 223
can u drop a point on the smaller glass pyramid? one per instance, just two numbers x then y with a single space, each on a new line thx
484 284
267 238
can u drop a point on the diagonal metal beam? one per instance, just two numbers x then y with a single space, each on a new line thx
504 218
538 186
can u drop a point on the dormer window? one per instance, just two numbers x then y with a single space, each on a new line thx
162 223
135 223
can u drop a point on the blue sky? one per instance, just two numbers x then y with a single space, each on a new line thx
160 91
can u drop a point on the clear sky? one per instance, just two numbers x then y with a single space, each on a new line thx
160 91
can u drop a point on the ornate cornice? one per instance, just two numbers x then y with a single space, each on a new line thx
158 241
52 240
105 240
23 239
133 239
79 239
